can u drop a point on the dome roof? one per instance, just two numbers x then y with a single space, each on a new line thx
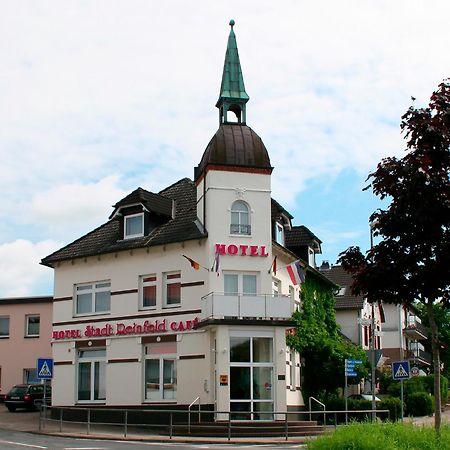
235 145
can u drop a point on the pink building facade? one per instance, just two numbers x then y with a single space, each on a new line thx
25 335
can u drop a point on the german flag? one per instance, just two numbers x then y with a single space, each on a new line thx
194 264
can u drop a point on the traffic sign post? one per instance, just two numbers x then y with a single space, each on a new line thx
401 371
349 372
45 372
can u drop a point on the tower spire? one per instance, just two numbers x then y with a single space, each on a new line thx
232 97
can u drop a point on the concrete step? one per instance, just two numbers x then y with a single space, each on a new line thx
250 429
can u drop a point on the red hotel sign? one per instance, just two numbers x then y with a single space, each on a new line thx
241 250
120 329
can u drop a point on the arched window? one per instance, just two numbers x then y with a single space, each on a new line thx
240 220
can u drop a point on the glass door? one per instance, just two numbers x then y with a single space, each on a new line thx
251 378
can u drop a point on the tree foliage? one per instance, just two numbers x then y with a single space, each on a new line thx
411 262
319 340
442 319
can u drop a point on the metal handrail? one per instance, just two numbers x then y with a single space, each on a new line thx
197 399
171 421
320 403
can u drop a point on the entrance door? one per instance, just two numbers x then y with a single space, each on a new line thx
251 378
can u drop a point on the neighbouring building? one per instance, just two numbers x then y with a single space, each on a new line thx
354 314
399 332
403 334
25 332
176 296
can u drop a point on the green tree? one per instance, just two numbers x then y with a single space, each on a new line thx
442 319
412 259
319 341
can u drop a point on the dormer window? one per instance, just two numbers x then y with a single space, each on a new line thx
240 220
133 226
311 257
279 233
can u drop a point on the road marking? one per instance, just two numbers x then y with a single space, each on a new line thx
84 448
21 444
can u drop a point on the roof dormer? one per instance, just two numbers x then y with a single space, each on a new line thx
142 211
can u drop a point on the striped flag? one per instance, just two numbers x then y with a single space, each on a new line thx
273 267
216 264
194 264
296 272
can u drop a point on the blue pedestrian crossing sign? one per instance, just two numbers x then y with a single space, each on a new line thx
401 370
45 368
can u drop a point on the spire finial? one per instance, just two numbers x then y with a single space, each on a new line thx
232 22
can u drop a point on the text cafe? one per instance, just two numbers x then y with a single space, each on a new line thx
117 329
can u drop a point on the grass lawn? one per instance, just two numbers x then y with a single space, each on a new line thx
383 436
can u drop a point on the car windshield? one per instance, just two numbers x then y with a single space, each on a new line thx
18 390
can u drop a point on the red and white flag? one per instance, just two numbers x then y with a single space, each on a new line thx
296 273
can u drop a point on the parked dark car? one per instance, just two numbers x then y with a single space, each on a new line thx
28 396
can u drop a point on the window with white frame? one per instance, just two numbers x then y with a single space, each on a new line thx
4 326
161 371
30 376
311 257
240 283
172 288
251 376
91 375
279 233
276 287
148 291
133 226
92 298
32 324
240 218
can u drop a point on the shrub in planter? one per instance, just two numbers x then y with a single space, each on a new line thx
419 404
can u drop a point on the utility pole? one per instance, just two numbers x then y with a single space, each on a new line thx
372 345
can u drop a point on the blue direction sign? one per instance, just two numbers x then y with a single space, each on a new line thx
350 367
45 368
400 370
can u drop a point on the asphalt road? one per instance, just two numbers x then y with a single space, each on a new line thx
19 430
14 440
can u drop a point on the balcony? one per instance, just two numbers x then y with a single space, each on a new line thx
224 306
415 330
418 356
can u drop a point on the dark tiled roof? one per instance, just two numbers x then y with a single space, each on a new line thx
26 300
343 279
300 236
277 209
235 145
156 203
107 237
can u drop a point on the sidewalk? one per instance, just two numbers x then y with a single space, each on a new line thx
26 421
29 422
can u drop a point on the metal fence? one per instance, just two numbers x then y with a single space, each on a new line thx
180 423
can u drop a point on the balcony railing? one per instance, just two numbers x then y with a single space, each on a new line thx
415 330
270 306
237 228
420 357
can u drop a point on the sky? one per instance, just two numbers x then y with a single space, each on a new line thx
99 97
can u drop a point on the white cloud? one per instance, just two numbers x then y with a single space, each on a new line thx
93 89
69 206
20 272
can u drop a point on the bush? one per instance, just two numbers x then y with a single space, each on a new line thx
391 436
394 405
419 404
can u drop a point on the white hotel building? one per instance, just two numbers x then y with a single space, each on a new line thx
134 324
